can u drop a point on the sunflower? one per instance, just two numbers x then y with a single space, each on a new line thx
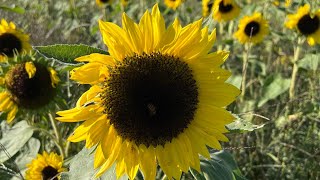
103 2
206 7
27 86
45 167
225 10
159 97
173 4
306 23
124 2
12 40
252 29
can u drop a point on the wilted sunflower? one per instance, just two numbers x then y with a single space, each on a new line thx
45 167
12 40
103 2
28 86
159 97
225 10
173 4
252 29
307 23
206 7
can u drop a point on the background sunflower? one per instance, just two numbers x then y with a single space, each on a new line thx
225 10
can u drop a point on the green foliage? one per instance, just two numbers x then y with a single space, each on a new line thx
15 9
67 53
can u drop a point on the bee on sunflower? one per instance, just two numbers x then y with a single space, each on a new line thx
252 29
225 10
12 41
307 23
28 85
173 4
45 166
159 97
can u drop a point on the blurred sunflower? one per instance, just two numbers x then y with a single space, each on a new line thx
306 23
158 97
103 2
124 2
173 4
45 167
252 29
27 86
12 40
225 10
206 7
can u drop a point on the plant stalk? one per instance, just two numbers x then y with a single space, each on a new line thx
58 136
294 72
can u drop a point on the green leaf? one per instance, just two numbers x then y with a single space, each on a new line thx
277 86
221 166
14 139
27 153
309 62
81 168
67 52
15 9
241 125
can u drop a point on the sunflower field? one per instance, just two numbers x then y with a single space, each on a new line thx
164 89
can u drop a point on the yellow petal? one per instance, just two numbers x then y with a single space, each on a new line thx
30 68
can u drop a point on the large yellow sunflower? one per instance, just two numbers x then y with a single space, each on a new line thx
103 2
45 167
173 4
306 23
252 29
225 10
12 40
29 85
206 7
159 97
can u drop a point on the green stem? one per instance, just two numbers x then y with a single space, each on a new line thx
58 137
244 70
294 71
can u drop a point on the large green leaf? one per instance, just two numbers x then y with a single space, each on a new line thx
67 52
242 125
81 168
310 62
221 166
14 8
14 139
272 90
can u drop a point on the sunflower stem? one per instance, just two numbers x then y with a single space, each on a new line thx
244 70
294 70
58 136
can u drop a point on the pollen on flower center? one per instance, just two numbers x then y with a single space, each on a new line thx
150 99
224 8
252 28
308 25
30 93
48 173
9 43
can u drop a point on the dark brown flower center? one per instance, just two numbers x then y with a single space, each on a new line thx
9 43
30 93
252 28
48 173
225 8
308 25
150 99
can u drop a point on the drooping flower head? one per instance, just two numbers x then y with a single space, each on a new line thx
45 167
28 85
306 23
159 97
173 4
12 40
225 10
252 29
103 2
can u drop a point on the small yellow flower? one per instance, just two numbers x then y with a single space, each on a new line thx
173 4
306 23
12 40
225 10
252 29
45 167
103 2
